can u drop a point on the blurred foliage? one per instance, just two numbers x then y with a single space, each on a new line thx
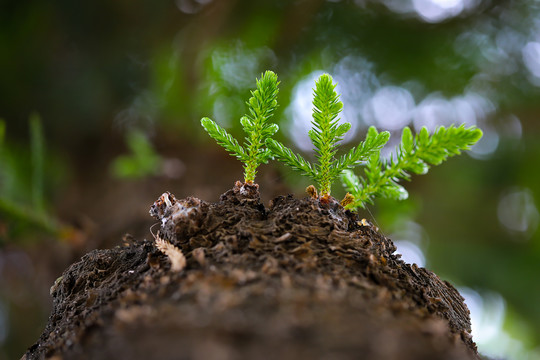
94 70
142 161
22 181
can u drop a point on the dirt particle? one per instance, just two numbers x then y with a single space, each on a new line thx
270 266
153 260
199 256
283 238
131 314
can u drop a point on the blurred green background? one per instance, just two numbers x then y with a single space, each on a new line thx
101 102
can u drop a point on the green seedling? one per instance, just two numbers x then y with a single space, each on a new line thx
414 155
261 106
326 133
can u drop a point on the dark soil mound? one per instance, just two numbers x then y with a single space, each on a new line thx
299 280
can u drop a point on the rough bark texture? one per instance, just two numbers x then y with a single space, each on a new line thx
297 280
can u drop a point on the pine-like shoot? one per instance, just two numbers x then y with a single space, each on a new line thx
414 155
326 133
262 105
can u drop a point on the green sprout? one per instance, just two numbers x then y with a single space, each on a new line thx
261 107
414 155
325 135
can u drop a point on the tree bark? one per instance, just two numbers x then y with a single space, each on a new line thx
296 280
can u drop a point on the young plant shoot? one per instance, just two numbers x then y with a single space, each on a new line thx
414 155
325 135
261 105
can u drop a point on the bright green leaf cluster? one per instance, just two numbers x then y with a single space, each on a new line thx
261 106
325 135
413 155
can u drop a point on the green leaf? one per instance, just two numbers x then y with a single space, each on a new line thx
350 181
394 191
374 143
261 106
286 155
407 141
414 154
325 134
223 138
246 124
342 130
419 167
270 130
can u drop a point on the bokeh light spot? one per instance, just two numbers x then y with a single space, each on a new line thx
438 10
390 108
531 59
517 211
487 145
488 316
410 252
409 239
